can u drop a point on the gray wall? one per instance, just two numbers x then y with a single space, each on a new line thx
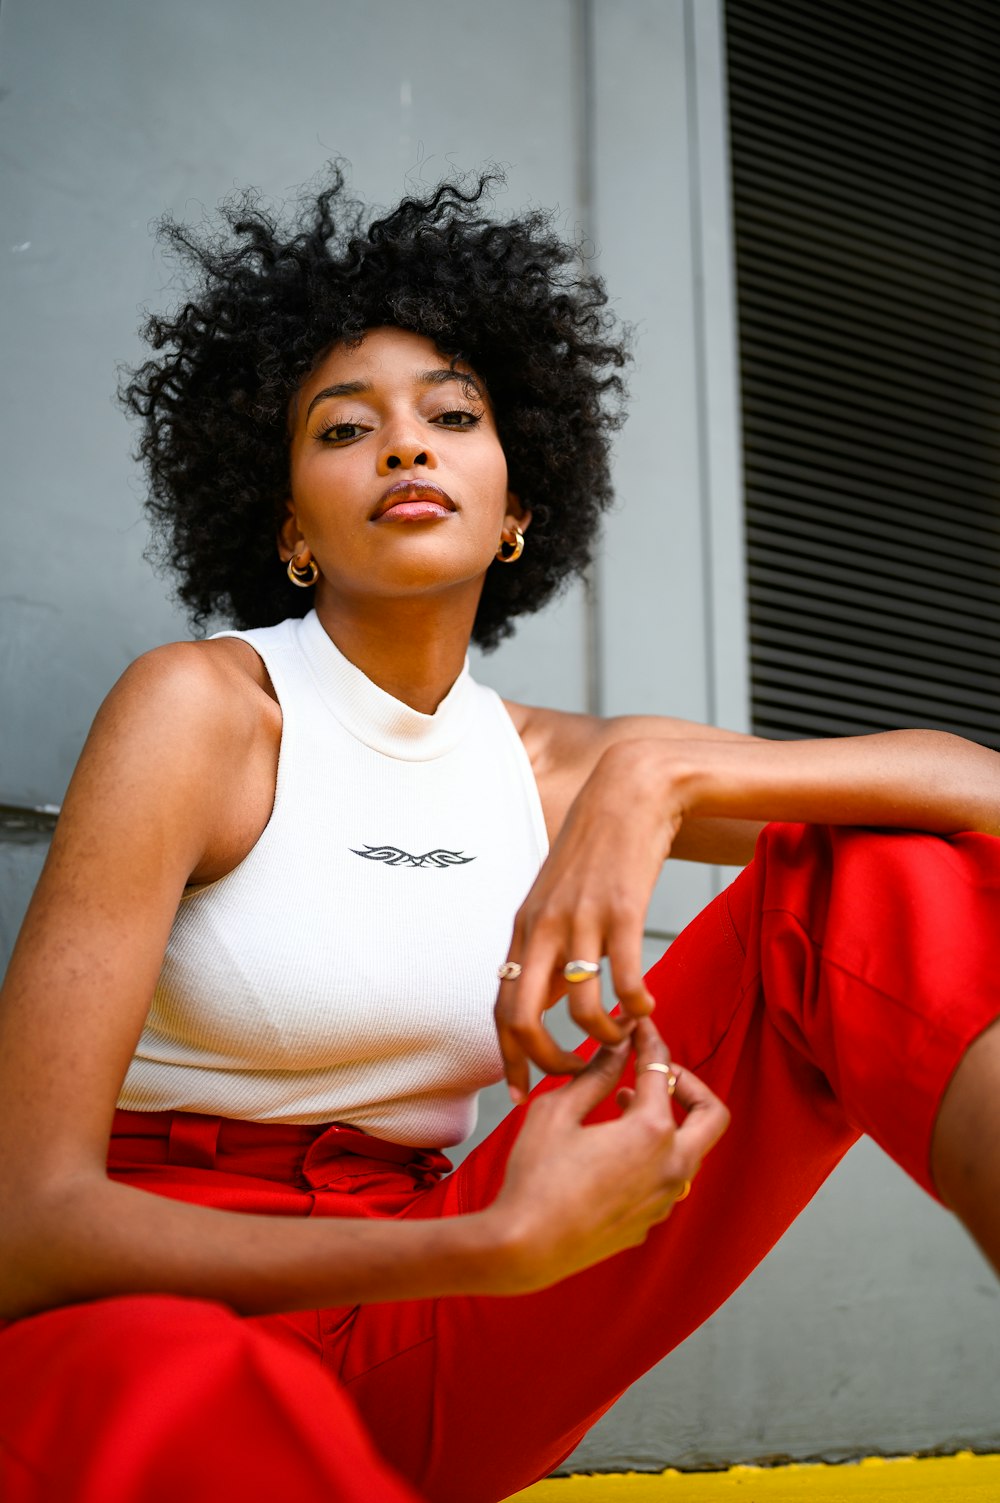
872 1327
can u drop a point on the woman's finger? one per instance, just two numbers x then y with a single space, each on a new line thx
524 1003
707 1117
654 1076
625 959
522 1035
584 997
532 1041
590 1087
521 1006
515 1061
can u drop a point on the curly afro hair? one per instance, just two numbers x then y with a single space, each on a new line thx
506 296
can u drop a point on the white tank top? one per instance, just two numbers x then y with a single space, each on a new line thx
346 970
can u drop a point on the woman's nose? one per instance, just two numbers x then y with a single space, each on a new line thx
403 453
403 459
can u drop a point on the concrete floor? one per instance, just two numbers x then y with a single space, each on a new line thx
964 1478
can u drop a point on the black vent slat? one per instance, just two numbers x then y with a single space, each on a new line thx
822 557
778 469
849 286
866 203
877 684
787 107
823 524
882 448
848 598
891 25
863 616
876 653
855 392
814 697
804 543
875 73
784 325
964 25
854 135
815 453
909 186
789 719
961 292
916 205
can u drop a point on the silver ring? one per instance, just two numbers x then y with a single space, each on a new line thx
509 971
581 970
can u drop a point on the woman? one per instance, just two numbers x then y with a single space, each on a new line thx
284 880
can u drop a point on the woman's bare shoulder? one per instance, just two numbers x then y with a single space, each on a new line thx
556 738
208 679
175 743
566 736
564 749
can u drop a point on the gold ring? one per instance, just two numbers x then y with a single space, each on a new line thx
581 970
509 971
663 1070
685 1192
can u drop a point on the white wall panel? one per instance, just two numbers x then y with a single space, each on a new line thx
672 624
112 113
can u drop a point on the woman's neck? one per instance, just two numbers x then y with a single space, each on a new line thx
412 651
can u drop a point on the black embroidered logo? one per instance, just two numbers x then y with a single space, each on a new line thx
393 856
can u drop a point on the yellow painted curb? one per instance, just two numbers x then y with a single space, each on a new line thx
965 1478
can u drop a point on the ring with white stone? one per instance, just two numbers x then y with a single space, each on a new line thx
509 971
581 970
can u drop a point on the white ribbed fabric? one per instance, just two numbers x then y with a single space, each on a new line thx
346 969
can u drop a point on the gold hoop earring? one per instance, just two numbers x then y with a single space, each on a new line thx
303 575
516 548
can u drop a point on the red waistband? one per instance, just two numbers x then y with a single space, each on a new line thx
196 1139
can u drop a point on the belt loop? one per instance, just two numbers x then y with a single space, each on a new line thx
193 1139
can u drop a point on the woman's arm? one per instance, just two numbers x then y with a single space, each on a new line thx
915 775
571 1197
641 797
917 780
169 786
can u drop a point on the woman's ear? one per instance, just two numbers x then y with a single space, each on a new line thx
290 539
517 513
517 519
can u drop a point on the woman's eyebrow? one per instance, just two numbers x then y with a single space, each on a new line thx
345 389
439 377
424 378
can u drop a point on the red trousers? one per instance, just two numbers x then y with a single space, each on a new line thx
831 991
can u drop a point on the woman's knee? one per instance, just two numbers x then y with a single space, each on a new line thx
116 1334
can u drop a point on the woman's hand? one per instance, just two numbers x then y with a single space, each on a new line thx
576 1194
589 900
591 896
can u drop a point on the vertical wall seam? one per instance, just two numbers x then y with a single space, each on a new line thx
586 101
701 372
701 361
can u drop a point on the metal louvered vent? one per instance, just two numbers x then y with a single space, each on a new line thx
866 183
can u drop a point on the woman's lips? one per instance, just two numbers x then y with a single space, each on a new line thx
414 511
413 501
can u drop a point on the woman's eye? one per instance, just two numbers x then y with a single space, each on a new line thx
459 418
340 433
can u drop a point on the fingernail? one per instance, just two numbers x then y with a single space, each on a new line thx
517 1095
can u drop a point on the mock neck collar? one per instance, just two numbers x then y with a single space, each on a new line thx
375 717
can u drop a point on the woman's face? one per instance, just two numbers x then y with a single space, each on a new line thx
398 482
